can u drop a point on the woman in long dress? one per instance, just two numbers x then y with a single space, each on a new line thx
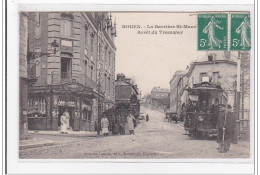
67 114
63 127
130 121
104 126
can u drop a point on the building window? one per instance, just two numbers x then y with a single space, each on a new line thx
204 77
109 59
210 57
65 68
92 42
105 55
109 84
38 26
105 81
86 36
91 72
66 27
215 77
86 67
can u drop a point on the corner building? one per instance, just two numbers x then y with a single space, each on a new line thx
68 77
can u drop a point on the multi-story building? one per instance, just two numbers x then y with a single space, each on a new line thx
23 80
72 59
124 89
182 94
174 90
215 67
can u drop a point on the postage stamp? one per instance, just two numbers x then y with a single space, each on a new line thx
212 31
240 32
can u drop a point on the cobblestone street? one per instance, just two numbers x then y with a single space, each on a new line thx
153 139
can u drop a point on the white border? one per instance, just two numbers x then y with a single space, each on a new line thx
16 166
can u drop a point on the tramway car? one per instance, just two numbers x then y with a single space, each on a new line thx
200 121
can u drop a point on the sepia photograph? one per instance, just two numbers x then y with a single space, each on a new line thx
135 85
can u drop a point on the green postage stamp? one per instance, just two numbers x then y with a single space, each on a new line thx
240 32
212 31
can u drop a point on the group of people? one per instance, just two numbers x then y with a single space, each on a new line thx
223 119
117 125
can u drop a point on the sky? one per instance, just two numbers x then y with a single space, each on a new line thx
152 59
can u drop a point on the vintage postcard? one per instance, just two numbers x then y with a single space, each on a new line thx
133 86
118 85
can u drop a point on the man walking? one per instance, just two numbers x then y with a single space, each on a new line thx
225 128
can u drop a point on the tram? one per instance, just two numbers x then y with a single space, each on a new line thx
200 121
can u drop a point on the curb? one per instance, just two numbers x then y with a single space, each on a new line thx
35 143
65 135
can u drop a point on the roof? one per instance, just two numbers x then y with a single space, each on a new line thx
205 86
209 62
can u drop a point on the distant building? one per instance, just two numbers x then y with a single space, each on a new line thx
174 90
182 94
125 92
160 99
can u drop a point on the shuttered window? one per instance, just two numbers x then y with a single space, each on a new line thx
66 27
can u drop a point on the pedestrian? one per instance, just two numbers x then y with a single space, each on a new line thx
189 111
130 122
215 112
63 122
147 117
204 107
196 107
117 125
104 126
67 114
225 128
183 112
122 124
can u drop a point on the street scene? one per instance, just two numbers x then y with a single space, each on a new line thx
156 138
95 86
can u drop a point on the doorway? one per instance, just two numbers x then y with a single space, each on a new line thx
71 112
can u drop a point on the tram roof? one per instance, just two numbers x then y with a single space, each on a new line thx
205 86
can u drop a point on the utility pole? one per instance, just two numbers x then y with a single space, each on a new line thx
238 93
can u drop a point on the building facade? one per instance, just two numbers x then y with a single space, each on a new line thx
23 77
72 59
124 89
174 90
160 99
217 68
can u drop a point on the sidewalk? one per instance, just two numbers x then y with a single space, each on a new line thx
34 143
70 133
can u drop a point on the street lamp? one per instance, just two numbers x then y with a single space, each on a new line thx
99 108
54 48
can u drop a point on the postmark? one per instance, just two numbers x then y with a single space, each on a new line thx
212 31
240 32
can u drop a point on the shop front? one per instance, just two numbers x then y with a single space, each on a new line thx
46 104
